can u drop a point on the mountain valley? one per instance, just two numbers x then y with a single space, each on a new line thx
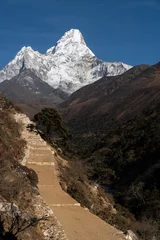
101 121
114 124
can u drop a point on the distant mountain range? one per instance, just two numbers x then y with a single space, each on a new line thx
67 67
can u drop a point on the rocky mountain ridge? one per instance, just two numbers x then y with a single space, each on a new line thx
27 88
68 66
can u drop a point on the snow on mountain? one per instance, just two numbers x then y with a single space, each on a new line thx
69 65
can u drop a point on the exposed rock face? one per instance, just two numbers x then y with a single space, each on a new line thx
67 66
51 228
131 235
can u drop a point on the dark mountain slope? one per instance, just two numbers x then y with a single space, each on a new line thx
27 88
31 93
119 98
115 127
91 98
127 160
92 118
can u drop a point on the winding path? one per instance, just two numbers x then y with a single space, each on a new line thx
77 222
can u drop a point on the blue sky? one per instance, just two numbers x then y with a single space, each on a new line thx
115 30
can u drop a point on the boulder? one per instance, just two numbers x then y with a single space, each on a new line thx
131 235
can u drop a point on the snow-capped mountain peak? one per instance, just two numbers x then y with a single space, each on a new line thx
73 35
24 53
24 49
50 50
71 42
69 65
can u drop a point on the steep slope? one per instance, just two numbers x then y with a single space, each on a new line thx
67 66
77 221
115 132
20 204
118 99
27 88
94 99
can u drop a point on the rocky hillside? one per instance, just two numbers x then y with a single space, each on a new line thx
16 182
23 213
115 132
27 88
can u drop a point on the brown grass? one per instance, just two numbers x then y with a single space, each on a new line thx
74 180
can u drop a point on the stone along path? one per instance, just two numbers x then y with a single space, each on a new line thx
77 222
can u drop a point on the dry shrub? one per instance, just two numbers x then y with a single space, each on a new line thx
17 183
31 175
18 109
14 179
10 138
84 191
146 229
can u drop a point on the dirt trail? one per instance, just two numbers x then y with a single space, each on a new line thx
77 222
